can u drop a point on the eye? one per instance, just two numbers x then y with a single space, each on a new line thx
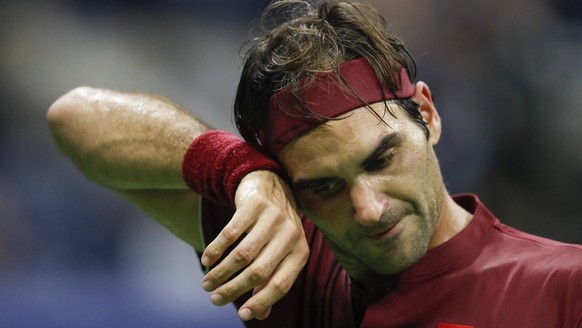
379 163
327 188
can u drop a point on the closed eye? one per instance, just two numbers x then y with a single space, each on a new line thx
328 188
383 153
322 187
379 163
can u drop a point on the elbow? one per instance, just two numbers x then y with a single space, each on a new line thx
77 132
65 107
64 118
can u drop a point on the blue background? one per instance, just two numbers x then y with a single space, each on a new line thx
507 80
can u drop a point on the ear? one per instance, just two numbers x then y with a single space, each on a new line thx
430 115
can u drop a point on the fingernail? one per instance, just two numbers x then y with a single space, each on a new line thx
205 260
245 314
216 299
207 285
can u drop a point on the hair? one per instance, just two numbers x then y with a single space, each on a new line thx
306 40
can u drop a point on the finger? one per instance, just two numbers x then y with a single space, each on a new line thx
264 315
258 254
282 239
246 314
240 222
257 273
290 238
277 287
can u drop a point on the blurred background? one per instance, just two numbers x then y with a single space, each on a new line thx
507 80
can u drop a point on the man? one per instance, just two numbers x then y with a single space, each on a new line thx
327 103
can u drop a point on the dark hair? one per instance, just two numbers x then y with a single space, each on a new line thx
307 40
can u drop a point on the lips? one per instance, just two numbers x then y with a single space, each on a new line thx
384 230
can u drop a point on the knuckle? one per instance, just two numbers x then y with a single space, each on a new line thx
274 213
216 275
258 200
295 233
244 254
230 234
228 291
260 305
282 215
304 254
258 274
211 251
282 286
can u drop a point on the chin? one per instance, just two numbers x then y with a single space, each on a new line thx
394 268
404 260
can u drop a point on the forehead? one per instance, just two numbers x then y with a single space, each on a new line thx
347 139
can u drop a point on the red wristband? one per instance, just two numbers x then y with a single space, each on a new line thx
217 161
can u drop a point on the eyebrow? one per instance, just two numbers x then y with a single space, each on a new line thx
388 141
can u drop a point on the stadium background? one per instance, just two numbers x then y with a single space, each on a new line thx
507 78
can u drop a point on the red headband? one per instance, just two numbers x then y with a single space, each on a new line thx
327 98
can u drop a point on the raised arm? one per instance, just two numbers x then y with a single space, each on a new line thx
135 144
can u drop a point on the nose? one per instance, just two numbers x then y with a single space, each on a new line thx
368 202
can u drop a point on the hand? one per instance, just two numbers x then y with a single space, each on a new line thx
269 257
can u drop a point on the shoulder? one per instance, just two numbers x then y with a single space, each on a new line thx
545 272
507 244
546 250
551 264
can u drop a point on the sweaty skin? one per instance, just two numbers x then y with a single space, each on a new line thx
134 144
374 187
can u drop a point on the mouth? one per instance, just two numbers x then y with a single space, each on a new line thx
386 231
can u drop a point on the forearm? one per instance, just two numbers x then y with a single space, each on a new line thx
124 141
137 145
176 210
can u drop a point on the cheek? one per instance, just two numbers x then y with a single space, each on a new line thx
425 187
414 179
405 175
327 215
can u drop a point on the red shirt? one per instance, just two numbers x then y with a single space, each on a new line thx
489 275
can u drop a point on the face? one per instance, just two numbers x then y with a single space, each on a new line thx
372 187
